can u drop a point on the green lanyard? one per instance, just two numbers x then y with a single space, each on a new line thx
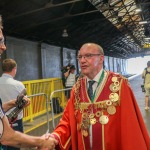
100 80
1 147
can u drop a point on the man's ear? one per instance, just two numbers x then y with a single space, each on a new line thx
101 58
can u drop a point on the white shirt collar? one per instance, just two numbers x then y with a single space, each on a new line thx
6 75
97 77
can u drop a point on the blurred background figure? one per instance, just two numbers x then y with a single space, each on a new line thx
146 77
69 78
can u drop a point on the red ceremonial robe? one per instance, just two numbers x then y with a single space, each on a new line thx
121 126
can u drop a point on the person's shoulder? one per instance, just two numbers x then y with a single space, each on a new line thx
148 69
117 75
111 73
18 83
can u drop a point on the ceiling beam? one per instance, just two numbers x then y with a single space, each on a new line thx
59 18
50 5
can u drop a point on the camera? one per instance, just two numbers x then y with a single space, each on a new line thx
67 68
20 103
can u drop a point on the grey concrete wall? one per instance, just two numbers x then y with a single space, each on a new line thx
51 64
37 61
27 56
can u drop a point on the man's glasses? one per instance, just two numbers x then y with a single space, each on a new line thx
2 41
87 56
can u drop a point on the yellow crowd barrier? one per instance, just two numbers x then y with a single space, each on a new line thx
37 106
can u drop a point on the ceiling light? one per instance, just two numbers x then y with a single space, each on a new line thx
142 22
138 10
148 38
64 34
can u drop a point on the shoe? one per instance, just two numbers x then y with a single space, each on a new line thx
146 108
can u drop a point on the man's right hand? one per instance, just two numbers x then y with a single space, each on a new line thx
49 143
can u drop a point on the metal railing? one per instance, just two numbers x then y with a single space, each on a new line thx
51 103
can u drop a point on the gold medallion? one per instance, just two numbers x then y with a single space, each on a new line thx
92 121
116 83
98 114
111 110
85 124
84 115
114 97
108 102
114 79
113 88
91 115
85 133
103 119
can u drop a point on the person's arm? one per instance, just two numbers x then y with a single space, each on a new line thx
12 103
8 105
66 74
18 139
143 74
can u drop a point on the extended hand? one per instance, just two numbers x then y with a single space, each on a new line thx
48 144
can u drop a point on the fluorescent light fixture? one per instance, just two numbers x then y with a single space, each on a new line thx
138 10
147 38
142 22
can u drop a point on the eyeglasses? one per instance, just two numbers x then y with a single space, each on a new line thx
87 56
2 41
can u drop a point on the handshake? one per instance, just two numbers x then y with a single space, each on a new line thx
49 142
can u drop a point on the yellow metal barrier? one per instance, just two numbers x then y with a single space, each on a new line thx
38 103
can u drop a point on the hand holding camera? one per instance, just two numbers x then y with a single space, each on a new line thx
21 102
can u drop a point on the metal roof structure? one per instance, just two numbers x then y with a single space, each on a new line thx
114 24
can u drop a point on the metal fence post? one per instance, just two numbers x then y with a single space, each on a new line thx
51 101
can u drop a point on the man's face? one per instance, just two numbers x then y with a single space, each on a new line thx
90 60
2 45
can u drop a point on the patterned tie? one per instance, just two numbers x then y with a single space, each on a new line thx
90 89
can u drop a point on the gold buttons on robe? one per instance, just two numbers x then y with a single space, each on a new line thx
103 119
92 121
108 102
114 79
91 115
84 115
85 133
113 87
100 111
111 110
114 97
98 114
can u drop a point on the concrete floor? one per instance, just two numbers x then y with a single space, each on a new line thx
136 87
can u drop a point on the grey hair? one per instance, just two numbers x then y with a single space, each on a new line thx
100 49
96 45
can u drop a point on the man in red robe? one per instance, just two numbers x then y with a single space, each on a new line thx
103 115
